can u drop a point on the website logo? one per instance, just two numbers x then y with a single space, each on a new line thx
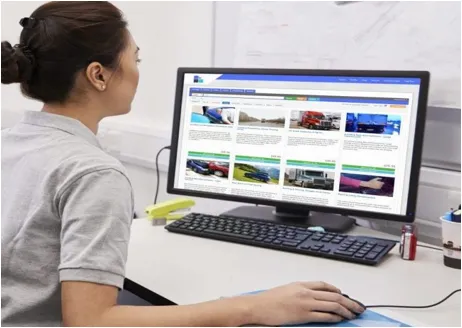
198 79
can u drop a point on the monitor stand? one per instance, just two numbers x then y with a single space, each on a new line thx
286 215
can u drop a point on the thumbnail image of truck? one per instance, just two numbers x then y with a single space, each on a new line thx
310 179
314 121
372 123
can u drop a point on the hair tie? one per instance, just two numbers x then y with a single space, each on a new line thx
27 53
28 22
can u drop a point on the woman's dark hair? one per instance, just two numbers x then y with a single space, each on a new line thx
60 39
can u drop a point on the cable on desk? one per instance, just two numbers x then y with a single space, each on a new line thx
414 306
157 172
430 247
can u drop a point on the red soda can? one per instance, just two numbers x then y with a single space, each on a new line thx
408 245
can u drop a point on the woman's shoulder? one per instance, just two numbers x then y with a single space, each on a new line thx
86 160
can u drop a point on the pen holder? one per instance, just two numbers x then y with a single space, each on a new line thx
451 242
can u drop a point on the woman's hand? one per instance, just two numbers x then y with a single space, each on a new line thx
302 302
373 184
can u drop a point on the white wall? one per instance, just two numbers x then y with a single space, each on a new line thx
169 34
173 34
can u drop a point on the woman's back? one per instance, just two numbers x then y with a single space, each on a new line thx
46 160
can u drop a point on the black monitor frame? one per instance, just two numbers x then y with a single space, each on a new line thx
424 76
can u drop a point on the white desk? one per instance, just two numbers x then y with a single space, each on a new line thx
189 270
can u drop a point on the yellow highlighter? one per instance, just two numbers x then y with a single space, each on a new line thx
162 213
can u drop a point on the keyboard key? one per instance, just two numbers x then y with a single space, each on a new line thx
268 240
316 248
344 253
359 255
378 249
371 256
301 236
316 238
227 234
336 241
325 250
259 239
290 243
277 242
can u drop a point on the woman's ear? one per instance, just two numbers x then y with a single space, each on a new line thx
97 75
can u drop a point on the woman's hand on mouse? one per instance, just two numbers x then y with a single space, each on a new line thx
303 302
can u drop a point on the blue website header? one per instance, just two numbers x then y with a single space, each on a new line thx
326 79
218 92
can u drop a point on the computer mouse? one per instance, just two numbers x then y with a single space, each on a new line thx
357 302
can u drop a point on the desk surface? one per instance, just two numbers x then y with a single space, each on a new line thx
188 270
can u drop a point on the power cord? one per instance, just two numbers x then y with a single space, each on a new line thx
414 306
158 173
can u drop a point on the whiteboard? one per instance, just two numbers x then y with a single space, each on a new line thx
358 35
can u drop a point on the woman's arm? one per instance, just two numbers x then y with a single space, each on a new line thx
350 182
89 304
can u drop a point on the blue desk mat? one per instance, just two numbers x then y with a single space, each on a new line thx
367 319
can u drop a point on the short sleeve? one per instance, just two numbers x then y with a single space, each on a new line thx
96 213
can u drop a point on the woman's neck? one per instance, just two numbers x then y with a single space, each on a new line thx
86 116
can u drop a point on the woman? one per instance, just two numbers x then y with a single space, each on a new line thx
67 205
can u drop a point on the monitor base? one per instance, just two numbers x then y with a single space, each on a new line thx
330 222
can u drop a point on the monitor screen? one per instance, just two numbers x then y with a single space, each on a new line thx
341 142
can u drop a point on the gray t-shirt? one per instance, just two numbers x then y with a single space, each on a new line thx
67 208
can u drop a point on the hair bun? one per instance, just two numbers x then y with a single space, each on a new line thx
17 65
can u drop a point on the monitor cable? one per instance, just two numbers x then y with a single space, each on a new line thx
414 306
158 172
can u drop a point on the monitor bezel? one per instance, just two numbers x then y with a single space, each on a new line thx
424 76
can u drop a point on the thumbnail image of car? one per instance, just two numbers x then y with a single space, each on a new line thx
256 173
261 176
205 169
309 179
220 169
373 123
367 184
315 120
198 166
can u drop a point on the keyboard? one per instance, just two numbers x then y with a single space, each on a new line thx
289 238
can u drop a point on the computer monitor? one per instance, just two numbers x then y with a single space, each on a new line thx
341 142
